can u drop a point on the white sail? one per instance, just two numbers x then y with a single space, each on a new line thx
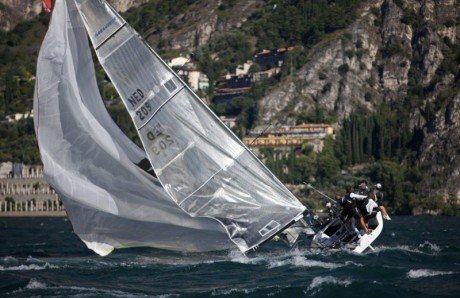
111 202
201 164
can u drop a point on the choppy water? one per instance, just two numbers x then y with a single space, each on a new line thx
414 257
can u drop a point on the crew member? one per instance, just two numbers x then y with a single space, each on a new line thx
332 210
350 203
362 188
369 207
379 200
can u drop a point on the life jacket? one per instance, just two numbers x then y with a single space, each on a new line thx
370 208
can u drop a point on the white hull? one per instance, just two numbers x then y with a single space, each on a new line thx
341 237
366 240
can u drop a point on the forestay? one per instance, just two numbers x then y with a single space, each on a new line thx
111 202
201 164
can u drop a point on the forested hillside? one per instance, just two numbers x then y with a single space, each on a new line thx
384 72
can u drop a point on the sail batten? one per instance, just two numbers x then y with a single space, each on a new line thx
159 108
202 165
110 36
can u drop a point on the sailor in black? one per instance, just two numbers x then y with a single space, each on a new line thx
378 192
350 208
369 207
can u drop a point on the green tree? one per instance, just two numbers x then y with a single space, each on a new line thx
328 166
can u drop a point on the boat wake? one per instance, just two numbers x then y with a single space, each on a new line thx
293 258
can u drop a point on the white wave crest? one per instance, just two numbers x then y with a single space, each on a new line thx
232 291
292 258
28 267
9 259
405 248
237 256
300 261
31 259
431 246
170 261
419 273
318 281
83 291
426 248
35 284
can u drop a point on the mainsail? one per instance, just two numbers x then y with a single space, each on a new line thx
201 164
111 202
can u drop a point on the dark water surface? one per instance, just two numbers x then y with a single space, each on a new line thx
414 257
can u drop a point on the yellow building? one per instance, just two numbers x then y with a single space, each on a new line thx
289 136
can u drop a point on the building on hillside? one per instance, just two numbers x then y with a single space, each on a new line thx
178 62
290 136
229 121
268 59
270 62
189 73
233 86
242 70
262 75
24 191
19 116
203 82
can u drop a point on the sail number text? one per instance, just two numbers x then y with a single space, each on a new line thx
161 140
136 97
144 111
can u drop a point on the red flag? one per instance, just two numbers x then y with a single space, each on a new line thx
47 5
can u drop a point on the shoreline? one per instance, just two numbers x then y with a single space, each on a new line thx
33 214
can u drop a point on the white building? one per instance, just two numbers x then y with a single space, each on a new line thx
18 116
203 82
189 73
178 62
243 69
229 121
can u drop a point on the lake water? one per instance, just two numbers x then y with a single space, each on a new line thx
414 257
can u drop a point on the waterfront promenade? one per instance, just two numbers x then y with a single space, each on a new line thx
25 193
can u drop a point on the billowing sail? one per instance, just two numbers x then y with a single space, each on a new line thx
201 164
111 202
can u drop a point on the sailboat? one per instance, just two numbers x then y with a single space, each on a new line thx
193 187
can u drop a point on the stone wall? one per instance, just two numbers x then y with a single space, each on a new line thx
25 192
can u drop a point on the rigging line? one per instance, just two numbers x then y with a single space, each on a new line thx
263 131
321 193
187 61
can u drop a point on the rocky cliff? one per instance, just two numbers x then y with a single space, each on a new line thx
394 50
202 19
14 11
